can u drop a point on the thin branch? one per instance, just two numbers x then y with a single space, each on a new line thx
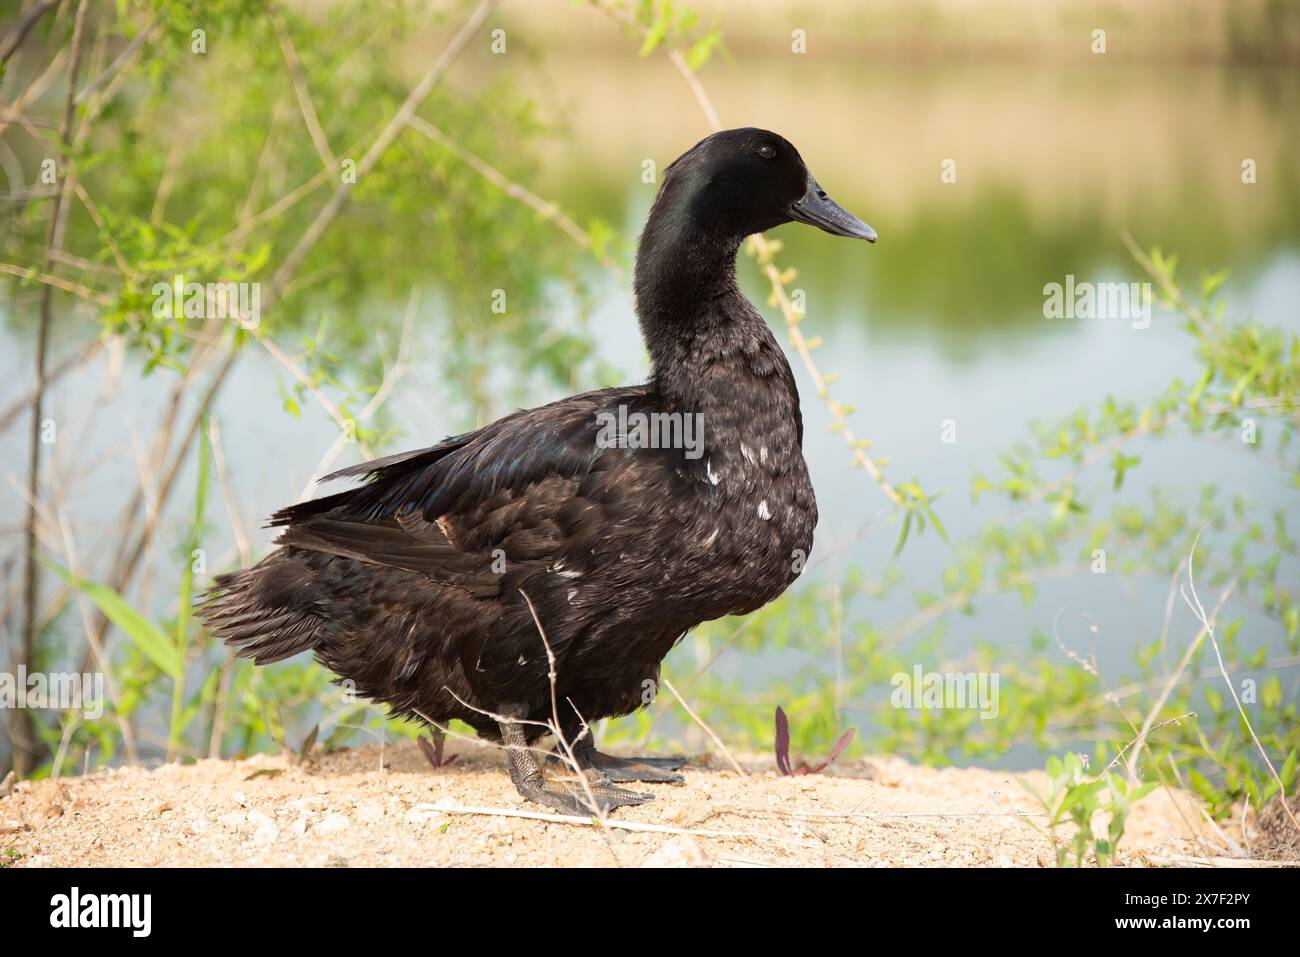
118 63
1174 677
101 660
377 149
391 377
82 355
557 727
1170 290
1194 602
93 209
15 37
23 735
324 401
707 730
548 211
245 549
57 282
303 94
1145 733
445 808
242 543
35 88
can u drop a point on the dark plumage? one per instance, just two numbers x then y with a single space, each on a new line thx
413 585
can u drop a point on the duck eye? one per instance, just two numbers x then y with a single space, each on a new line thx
766 151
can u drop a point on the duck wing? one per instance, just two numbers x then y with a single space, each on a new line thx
444 510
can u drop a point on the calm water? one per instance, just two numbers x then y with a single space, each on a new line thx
942 320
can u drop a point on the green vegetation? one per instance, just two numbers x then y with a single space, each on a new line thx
1073 796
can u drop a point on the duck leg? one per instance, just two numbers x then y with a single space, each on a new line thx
526 774
609 768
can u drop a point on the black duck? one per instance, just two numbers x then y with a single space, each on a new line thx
417 585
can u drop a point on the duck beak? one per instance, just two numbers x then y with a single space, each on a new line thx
818 209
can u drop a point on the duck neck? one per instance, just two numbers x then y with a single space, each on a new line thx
687 300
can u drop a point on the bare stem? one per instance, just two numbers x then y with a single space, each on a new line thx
26 747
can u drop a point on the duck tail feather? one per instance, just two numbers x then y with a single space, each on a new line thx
265 612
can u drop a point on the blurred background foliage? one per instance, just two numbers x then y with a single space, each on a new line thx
480 262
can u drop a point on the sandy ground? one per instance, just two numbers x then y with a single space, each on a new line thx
341 810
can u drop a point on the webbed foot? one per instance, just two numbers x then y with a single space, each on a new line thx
574 800
526 773
608 768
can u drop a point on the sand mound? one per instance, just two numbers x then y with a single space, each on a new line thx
343 809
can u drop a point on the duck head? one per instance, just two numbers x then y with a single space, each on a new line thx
744 181
726 187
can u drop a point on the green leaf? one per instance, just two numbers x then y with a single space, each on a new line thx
902 533
261 256
1287 774
143 633
1210 284
654 36
702 49
938 526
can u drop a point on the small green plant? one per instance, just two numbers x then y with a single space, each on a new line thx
1072 798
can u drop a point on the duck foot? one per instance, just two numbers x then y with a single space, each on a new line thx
574 800
526 773
609 768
